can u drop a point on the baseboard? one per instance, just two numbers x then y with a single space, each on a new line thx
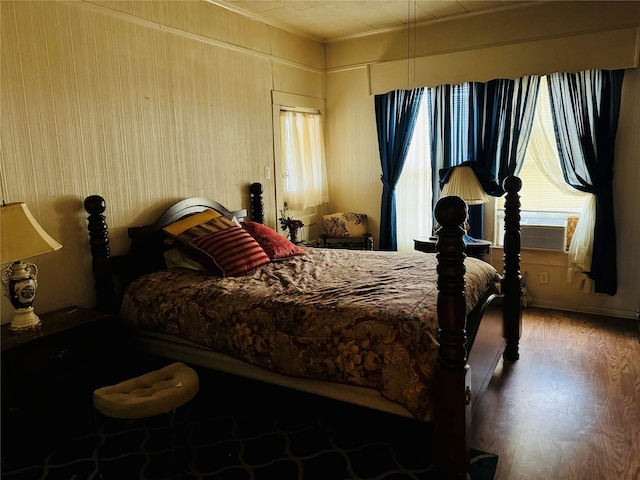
593 310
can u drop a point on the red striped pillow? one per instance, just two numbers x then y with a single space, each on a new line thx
232 250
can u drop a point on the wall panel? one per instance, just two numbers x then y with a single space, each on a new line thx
286 78
353 159
519 22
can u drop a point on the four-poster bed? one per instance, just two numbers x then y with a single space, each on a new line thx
390 329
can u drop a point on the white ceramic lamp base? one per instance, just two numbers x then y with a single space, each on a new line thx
25 320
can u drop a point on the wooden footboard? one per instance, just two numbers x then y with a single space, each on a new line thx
453 379
453 391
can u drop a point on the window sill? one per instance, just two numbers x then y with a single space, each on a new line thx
534 256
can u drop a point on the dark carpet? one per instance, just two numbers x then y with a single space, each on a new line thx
236 429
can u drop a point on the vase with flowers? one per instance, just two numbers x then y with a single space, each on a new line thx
291 224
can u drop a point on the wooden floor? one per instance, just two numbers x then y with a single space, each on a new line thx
570 407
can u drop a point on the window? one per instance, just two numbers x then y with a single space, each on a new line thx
300 166
303 159
413 192
546 200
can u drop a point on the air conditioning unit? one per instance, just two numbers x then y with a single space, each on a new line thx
547 237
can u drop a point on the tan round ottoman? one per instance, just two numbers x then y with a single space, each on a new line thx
154 393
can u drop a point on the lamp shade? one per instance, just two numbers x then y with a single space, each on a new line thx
21 236
463 183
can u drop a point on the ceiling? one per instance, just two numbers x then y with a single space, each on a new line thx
332 19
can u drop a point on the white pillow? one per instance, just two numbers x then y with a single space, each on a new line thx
177 258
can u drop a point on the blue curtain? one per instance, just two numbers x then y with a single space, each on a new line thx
450 112
395 118
500 118
585 108
448 126
485 126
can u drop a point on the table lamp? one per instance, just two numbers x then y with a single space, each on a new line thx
21 236
463 183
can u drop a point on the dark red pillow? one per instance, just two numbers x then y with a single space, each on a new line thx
275 245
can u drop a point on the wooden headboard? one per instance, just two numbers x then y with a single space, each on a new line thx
148 243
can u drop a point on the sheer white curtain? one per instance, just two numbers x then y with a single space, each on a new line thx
543 150
304 161
413 192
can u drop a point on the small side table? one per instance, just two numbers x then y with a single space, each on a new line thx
358 243
48 376
476 249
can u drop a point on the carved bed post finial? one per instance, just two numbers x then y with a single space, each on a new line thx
511 278
453 420
101 253
257 205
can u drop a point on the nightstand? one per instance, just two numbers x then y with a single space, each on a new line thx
48 376
476 249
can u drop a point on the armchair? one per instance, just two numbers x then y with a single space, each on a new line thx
346 230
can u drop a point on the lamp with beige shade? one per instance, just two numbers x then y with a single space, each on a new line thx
21 236
464 183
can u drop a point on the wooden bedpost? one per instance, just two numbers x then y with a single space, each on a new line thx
511 278
452 382
101 253
257 204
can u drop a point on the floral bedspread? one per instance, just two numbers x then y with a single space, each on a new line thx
355 317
